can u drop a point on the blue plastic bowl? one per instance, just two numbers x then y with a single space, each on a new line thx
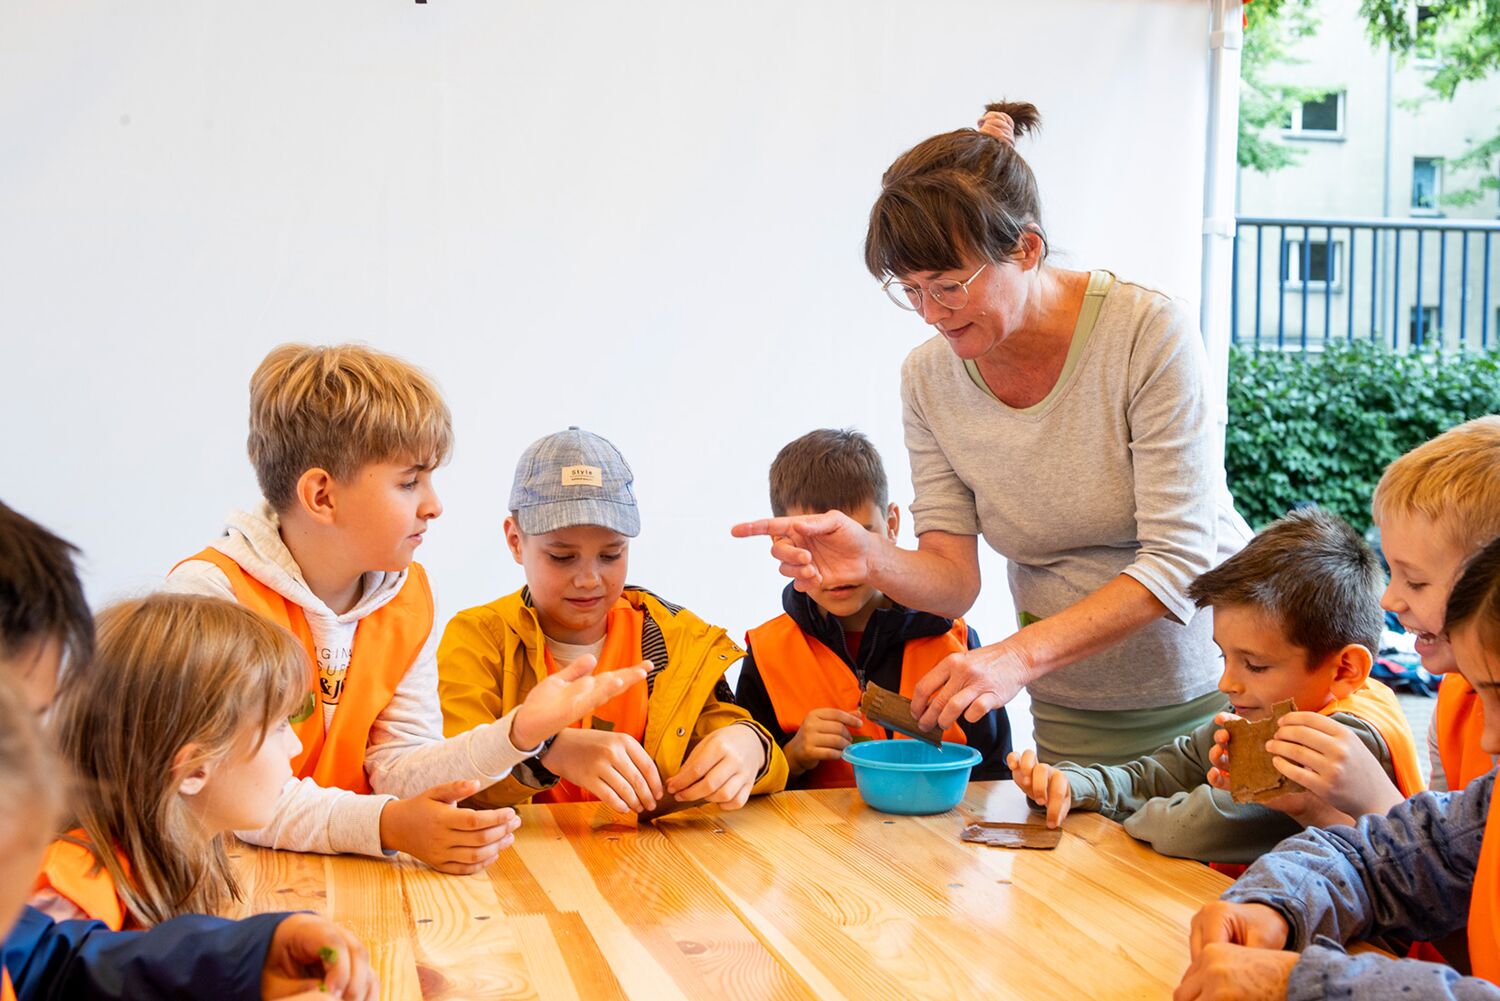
911 776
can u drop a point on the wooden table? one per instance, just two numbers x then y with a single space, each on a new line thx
799 895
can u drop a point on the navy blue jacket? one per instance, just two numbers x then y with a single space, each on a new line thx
188 957
880 652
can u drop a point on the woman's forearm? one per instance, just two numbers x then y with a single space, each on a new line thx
940 576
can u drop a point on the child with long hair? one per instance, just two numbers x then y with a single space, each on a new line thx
184 735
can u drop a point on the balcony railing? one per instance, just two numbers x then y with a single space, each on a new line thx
1412 284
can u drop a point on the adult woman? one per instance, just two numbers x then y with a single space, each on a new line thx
1063 415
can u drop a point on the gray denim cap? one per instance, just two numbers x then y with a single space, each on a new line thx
571 478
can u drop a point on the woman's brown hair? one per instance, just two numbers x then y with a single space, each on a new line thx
170 671
962 193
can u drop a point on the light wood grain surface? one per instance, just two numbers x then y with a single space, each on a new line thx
798 895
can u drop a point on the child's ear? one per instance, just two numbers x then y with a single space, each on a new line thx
1351 668
892 522
513 538
315 495
191 777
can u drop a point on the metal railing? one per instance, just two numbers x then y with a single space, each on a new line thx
1412 284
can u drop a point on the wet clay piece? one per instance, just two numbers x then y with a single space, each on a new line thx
1004 835
667 804
1252 776
893 712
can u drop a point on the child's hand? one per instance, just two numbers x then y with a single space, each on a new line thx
722 768
1224 972
570 694
1253 925
1330 761
612 766
1218 755
1044 784
1308 810
999 125
447 837
311 954
822 736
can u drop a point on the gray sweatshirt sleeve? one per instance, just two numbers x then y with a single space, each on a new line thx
1172 454
1327 971
1165 800
941 501
1407 873
1118 791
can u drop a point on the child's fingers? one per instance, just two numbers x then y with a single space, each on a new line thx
640 789
646 768
363 984
696 766
1217 779
1059 798
1313 721
711 785
481 820
1314 739
851 720
611 683
452 792
580 668
615 790
1305 777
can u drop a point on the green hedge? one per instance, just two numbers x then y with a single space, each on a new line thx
1322 427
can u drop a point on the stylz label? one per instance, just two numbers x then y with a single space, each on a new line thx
582 476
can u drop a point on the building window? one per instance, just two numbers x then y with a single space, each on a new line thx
1426 184
1319 118
1425 33
1429 331
1321 270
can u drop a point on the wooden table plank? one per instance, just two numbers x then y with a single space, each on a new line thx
799 895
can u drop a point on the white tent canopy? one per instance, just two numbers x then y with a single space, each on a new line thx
644 219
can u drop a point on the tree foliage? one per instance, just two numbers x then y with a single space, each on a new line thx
1266 104
1322 427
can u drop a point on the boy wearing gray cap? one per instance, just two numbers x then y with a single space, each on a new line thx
678 732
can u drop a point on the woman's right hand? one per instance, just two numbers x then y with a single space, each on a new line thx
817 550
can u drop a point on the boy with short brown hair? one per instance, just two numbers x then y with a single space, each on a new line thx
806 668
1296 616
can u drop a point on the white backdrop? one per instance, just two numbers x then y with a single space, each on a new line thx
642 218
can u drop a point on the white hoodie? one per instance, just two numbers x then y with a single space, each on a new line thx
407 754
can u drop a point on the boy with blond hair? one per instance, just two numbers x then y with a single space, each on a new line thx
1296 616
805 670
345 441
675 731
1435 506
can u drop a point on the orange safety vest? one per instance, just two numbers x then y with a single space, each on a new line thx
72 872
7 992
801 674
386 644
1376 704
626 712
1484 902
1459 719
